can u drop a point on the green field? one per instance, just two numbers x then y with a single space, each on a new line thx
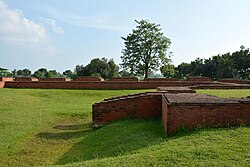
53 127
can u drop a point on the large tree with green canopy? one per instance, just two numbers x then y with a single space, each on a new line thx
145 49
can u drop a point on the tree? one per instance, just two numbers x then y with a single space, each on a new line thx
145 49
4 72
98 67
40 73
68 73
24 73
168 71
52 74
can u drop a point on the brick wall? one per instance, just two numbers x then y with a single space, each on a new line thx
25 79
191 116
237 81
221 86
162 79
124 79
89 79
100 85
208 112
2 84
54 79
198 79
145 105
6 79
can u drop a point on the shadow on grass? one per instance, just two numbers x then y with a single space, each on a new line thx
115 139
69 132
73 127
125 137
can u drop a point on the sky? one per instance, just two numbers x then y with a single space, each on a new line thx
60 34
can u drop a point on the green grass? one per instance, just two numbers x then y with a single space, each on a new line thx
53 127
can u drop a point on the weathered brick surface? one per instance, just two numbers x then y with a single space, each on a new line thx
100 85
179 112
199 79
237 81
143 105
2 84
124 79
54 79
25 79
162 79
87 79
176 89
221 86
6 79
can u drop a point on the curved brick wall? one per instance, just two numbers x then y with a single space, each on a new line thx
143 105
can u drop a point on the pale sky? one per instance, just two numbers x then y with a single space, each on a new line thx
59 34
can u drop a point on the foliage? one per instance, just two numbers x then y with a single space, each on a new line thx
44 73
235 65
68 73
145 49
168 71
24 73
4 72
98 67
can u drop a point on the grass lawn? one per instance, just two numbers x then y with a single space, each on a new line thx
53 127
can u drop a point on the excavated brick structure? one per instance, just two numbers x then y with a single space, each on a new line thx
177 108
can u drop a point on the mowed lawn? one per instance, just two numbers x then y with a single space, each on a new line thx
53 127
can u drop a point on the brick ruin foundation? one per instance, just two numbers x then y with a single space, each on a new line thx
179 108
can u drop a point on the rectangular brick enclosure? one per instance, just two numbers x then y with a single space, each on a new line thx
190 110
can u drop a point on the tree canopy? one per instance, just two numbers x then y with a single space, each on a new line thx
98 67
145 49
235 65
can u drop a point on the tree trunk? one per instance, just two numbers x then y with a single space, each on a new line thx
146 72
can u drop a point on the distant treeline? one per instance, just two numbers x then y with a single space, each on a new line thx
228 65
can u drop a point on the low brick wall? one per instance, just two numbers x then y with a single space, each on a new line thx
176 89
204 79
100 85
25 79
54 79
237 81
2 84
87 79
221 86
6 79
124 79
162 79
193 110
145 105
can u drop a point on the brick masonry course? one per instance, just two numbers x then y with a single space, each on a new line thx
102 84
6 79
